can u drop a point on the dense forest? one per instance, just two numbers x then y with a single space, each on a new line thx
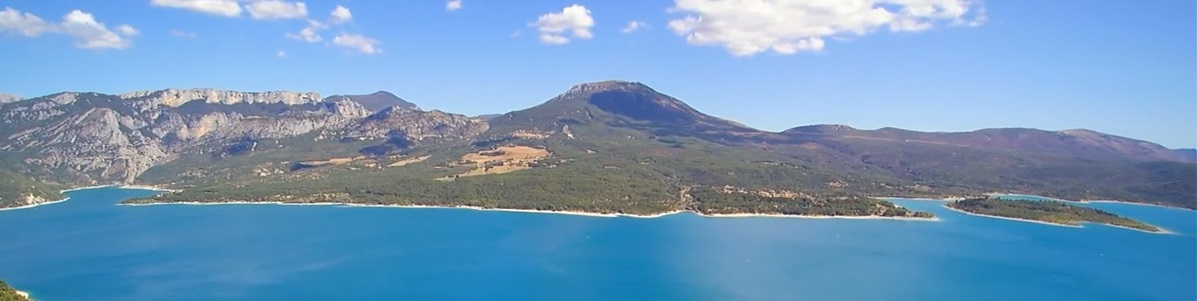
1046 211
9 294
569 181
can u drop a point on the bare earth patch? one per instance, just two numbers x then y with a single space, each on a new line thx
333 161
407 161
503 159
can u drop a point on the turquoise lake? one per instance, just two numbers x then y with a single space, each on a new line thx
89 249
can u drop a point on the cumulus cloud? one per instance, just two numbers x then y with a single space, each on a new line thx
276 9
26 24
357 42
453 5
80 26
127 30
309 33
341 15
91 34
632 26
228 8
575 20
748 27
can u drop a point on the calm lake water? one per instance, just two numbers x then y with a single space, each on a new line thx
89 249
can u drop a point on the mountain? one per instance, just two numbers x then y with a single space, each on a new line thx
93 138
376 101
624 104
7 98
609 147
1078 143
488 116
1189 154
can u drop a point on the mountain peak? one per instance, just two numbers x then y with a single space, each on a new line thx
820 129
377 101
606 85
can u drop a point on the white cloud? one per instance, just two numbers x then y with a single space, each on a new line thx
281 54
276 9
79 25
632 26
574 19
357 42
91 34
453 5
341 14
26 24
228 8
310 33
127 30
748 27
182 34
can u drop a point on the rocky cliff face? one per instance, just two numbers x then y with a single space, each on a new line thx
175 98
91 138
416 125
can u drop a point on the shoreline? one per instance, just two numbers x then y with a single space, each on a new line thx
24 294
88 187
35 205
1134 204
951 199
561 212
120 186
1082 225
1013 218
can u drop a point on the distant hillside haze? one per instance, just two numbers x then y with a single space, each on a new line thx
376 101
1081 143
1189 154
6 98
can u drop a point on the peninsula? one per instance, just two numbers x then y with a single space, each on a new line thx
1052 212
9 294
723 202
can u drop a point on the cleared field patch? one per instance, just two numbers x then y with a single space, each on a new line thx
503 159
329 162
407 161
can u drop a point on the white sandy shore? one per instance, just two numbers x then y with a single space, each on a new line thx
88 187
577 213
151 188
143 187
1137 204
1162 230
138 187
34 205
24 294
231 204
1012 218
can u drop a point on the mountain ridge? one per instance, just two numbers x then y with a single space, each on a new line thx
611 132
376 101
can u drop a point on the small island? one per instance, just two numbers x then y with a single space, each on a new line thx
9 294
1053 212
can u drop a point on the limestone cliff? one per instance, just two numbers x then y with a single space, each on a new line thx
92 138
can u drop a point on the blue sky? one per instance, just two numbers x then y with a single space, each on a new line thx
1119 66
